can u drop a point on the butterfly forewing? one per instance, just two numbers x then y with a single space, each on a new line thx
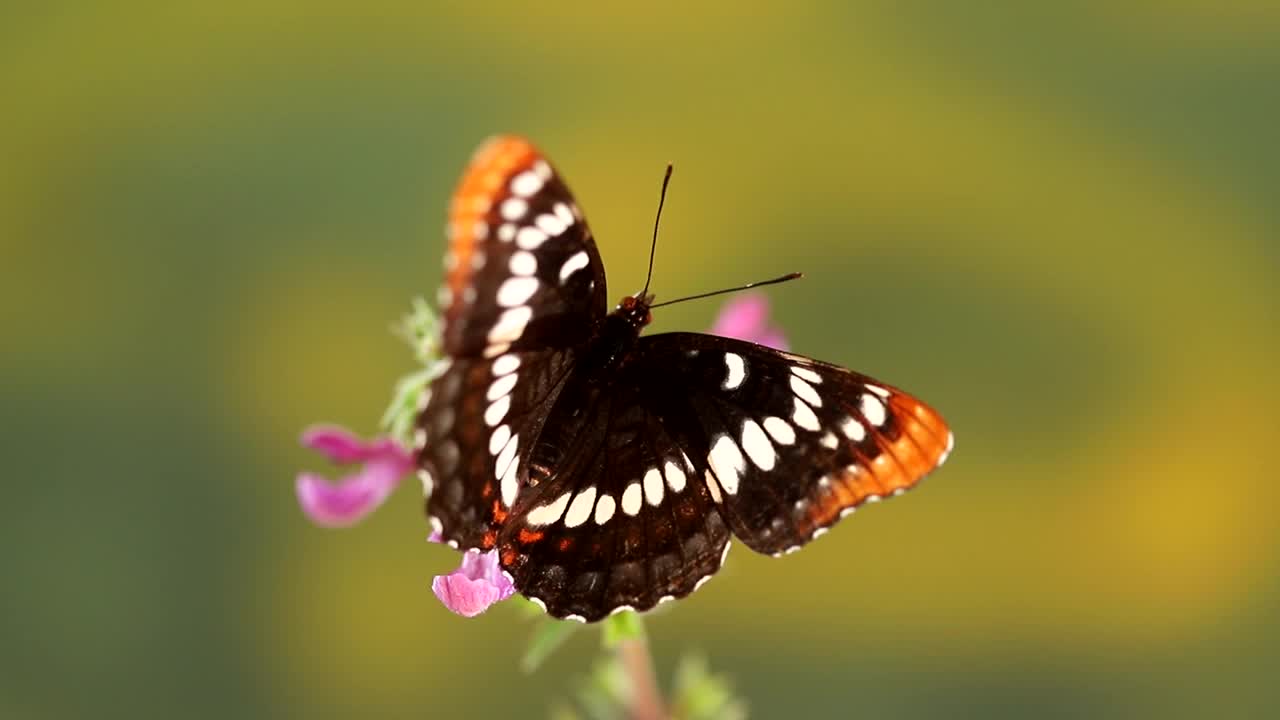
522 269
524 289
787 444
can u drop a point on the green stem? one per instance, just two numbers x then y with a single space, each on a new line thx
646 700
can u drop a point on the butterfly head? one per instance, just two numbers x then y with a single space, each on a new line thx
635 309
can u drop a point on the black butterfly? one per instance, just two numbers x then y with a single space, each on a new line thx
609 470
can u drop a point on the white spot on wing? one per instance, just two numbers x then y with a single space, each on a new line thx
736 369
498 410
780 430
542 169
501 386
853 430
498 440
829 440
514 208
878 390
549 513
805 391
507 232
506 364
727 463
803 417
653 486
526 183
523 262
580 508
506 457
550 224
604 509
675 476
631 499
530 237
510 325
565 214
576 262
946 452
516 290
873 410
757 445
510 487
806 374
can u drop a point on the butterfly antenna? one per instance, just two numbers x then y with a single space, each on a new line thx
774 281
653 246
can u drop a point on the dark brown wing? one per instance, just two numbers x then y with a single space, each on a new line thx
644 474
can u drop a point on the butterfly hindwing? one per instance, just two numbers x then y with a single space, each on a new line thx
474 433
614 517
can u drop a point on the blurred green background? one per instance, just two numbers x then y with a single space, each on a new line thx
1056 222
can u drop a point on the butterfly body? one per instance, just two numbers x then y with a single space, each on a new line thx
608 469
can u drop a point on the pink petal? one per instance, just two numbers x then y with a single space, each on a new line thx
463 595
349 500
746 317
342 446
477 583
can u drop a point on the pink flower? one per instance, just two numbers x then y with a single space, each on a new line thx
478 583
349 500
746 317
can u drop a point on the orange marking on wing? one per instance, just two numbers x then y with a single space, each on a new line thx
922 440
491 167
922 426
530 536
499 513
827 508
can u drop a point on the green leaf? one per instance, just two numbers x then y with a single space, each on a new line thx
548 636
420 328
605 693
699 695
620 627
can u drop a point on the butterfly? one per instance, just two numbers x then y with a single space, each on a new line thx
610 470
